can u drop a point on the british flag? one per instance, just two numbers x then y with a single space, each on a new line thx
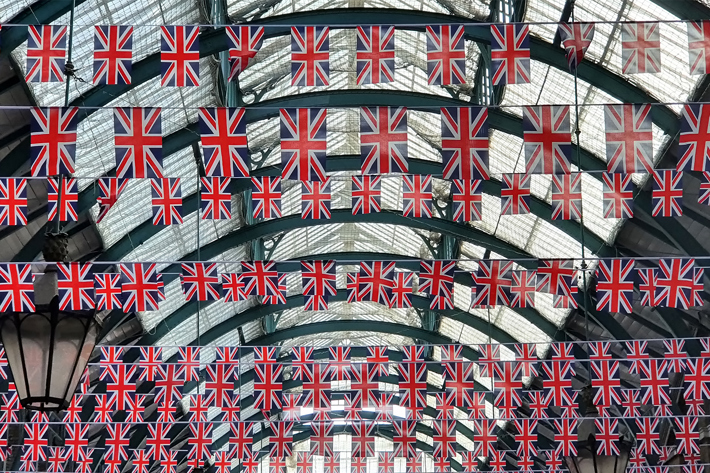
699 46
383 140
674 282
16 288
268 383
179 56
138 138
318 280
640 48
200 281
110 189
698 288
555 276
493 283
309 55
648 288
139 287
62 203
13 201
375 281
375 54
215 198
281 439
704 190
436 278
243 43
467 200
46 51
547 136
223 134
113 55
166 200
576 39
694 140
618 195
351 286
615 285
444 438
303 143
279 297
53 140
315 200
510 54
629 138
568 301
107 291
417 196
366 194
667 194
515 194
445 54
260 278
233 288
301 363
523 289
266 197
464 142
687 435
413 388
567 196
75 282
401 291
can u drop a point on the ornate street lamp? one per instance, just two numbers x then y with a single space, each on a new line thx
48 349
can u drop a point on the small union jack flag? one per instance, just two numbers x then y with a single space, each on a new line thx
416 196
445 55
464 142
13 201
260 278
493 282
699 46
694 140
436 278
243 43
166 200
318 281
179 56
467 200
138 138
523 289
698 287
200 281
351 286
266 197
615 285
648 288
233 287
16 288
107 291
704 191
629 138
515 194
113 55
640 48
383 140
674 282
110 189
223 134
75 283
401 291
667 194
375 281
567 196
618 195
303 143
555 276
53 140
374 60
570 301
576 39
315 200
215 198
46 51
139 287
62 203
548 145
309 55
366 194
510 54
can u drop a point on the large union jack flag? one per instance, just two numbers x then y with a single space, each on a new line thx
110 189
567 197
318 283
266 197
667 193
515 194
576 39
53 140
200 281
374 60
617 195
493 283
62 203
699 46
215 198
464 142
166 200
260 278
436 278
467 200
107 291
674 282
416 196
139 287
179 56
75 282
243 43
548 145
640 48
268 383
383 140
510 54
13 201
139 141
315 200
366 194
113 55
46 51
375 281
309 55
694 138
16 288
615 285
555 276
523 289
629 138
303 143
223 134
445 54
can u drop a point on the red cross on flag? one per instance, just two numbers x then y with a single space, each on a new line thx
215 198
401 291
315 200
366 194
268 384
615 285
413 388
694 138
445 54
493 283
13 201
375 281
16 288
107 291
244 42
375 54
467 200
113 55
575 38
444 438
548 140
260 278
62 203
318 280
200 282
138 139
223 134
404 439
383 140
515 194
309 55
266 197
417 196
464 142
629 138
674 282
647 281
46 51
523 289
166 200
321 439
617 195
179 56
53 140
139 287
555 276
567 197
436 278
667 193
640 48
75 282
303 143
510 54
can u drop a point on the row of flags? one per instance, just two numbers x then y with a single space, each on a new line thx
375 52
137 287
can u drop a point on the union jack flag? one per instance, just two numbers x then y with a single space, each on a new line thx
46 51
667 194
523 289
268 383
179 56
515 194
279 297
375 281
674 282
302 363
436 278
13 201
139 287
416 196
200 281
570 301
383 140
555 276
703 192
233 287
62 204
698 287
694 138
110 189
200 441
547 136
615 285
321 439
16 288
266 197
53 140
640 48
493 283
309 55
281 440
510 54
413 388
318 282
467 200
444 438
303 143
366 194
648 288
260 278
464 142
243 42
363 439
687 435
215 198
576 39
401 291
445 54
166 201
75 283
315 200
351 286
240 441
618 195
629 138
567 196
113 55
339 365
138 138
223 134
107 290
699 46
375 54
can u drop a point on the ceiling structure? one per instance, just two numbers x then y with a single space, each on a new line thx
127 233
